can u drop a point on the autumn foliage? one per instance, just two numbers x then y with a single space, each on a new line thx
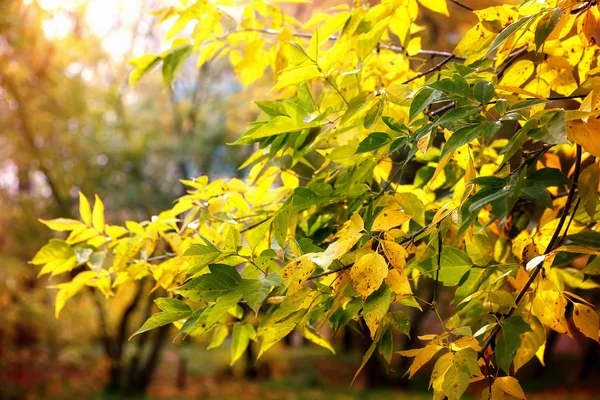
374 173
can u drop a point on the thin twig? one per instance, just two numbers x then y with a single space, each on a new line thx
435 68
458 3
439 264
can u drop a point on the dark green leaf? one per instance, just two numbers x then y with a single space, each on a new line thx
546 26
587 238
546 177
374 141
456 115
483 91
373 114
400 321
422 100
395 125
509 341
222 280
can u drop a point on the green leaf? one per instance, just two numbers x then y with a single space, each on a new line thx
468 134
501 106
376 307
374 141
161 319
373 114
537 195
395 125
272 334
592 267
508 32
586 238
457 85
422 100
242 335
170 304
355 105
546 26
553 128
483 91
546 177
471 284
491 181
222 280
224 303
173 61
455 383
220 333
400 321
509 341
200 255
386 345
281 223
485 197
454 264
255 291
456 115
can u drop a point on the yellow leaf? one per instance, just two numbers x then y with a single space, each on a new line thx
395 253
518 73
98 215
422 356
296 76
296 272
511 386
549 306
368 273
559 74
438 6
62 224
585 134
398 283
531 342
588 25
586 320
85 210
389 218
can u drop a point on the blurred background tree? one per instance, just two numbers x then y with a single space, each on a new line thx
69 122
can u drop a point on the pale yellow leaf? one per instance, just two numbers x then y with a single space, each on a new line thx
368 274
586 320
98 215
511 386
85 210
389 218
398 282
395 253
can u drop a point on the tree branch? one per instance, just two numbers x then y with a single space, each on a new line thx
549 248
397 49
435 68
